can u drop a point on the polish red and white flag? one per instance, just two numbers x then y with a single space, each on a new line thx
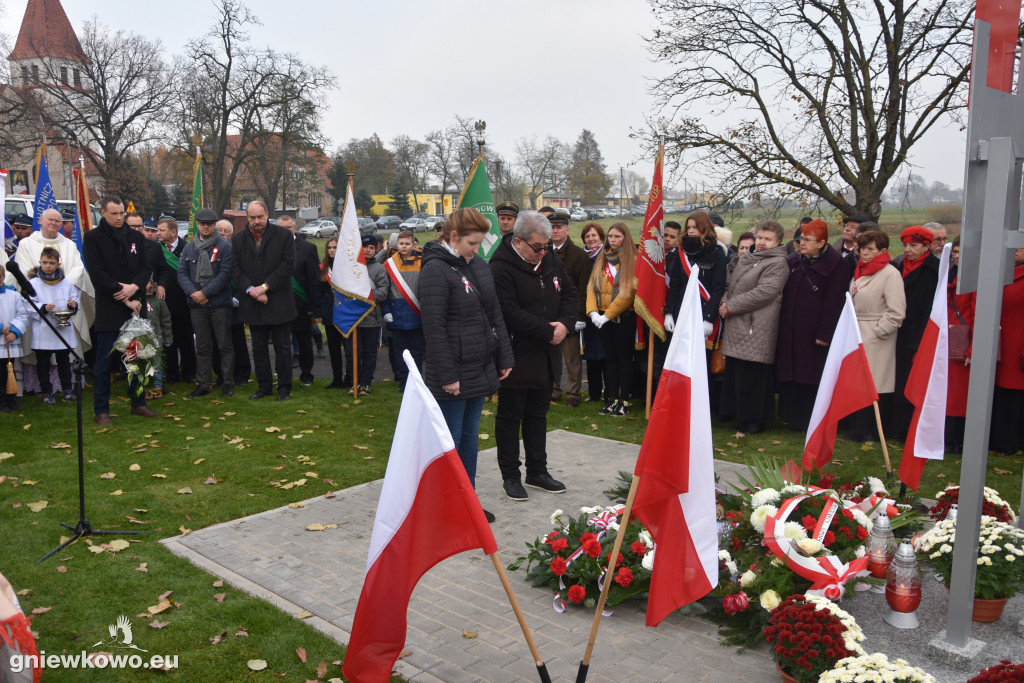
846 386
428 511
927 385
675 497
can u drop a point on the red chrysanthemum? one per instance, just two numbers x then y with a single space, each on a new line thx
830 538
809 522
591 547
862 533
550 537
587 537
577 593
848 513
558 566
624 577
639 548
559 544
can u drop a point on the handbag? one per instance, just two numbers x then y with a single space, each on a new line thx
717 359
959 337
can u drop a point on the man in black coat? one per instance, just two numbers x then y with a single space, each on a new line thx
577 266
159 270
119 272
180 357
262 262
304 283
540 305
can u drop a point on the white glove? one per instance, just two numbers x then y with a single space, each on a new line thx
388 318
580 325
670 323
708 329
594 316
601 320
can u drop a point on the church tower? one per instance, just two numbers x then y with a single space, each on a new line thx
47 51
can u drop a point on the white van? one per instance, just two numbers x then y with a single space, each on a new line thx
15 204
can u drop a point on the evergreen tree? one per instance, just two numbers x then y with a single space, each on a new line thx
364 202
399 204
587 176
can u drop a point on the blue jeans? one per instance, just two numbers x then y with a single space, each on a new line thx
462 415
101 369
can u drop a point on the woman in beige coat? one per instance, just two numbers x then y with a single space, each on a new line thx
750 309
881 305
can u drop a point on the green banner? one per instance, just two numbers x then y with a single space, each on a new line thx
477 195
299 291
197 196
171 259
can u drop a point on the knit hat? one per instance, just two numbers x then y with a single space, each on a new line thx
915 233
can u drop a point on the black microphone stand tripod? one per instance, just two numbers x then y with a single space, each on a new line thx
82 528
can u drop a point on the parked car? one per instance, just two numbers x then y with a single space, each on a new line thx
414 224
420 214
388 222
320 228
367 226
579 215
433 221
639 210
600 212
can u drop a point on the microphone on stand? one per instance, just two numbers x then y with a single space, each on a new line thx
14 269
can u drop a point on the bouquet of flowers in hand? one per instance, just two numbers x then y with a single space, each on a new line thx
572 558
875 668
138 344
993 505
1000 556
808 635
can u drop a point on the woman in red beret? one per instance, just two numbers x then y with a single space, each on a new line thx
920 270
811 304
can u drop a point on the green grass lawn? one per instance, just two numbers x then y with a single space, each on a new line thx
238 457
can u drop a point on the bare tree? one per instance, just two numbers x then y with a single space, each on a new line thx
808 97
412 163
542 165
441 157
120 105
508 182
231 86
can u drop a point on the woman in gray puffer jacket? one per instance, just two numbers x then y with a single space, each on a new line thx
467 347
750 309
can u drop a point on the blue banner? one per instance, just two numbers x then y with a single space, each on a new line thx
76 236
44 194
348 312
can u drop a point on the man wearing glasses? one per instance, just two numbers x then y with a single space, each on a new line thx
939 236
539 302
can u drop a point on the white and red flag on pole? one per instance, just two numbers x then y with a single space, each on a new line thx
926 387
651 289
675 496
428 511
846 386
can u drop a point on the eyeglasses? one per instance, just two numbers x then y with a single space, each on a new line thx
537 248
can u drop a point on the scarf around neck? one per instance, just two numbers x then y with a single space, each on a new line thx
57 276
872 266
204 261
910 266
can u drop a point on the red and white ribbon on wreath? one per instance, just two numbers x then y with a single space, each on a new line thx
828 573
601 521
879 505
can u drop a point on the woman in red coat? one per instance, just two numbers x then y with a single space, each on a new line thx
960 312
1007 435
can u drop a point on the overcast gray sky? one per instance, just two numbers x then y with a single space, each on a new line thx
531 67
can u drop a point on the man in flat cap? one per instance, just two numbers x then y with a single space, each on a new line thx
577 267
204 275
507 212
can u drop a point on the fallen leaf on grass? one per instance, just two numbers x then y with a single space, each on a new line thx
28 426
117 546
242 633
301 412
96 549
229 413
41 610
238 439
1001 471
283 437
107 475
316 526
135 467
304 614
160 476
484 437
218 583
199 461
271 430
867 446
37 506
142 568
4 456
297 436
62 569
776 443
24 591
940 475
210 481
301 652
184 531
321 670
219 597
185 491
593 426
469 634
730 443
161 606
190 438
486 412
314 475
28 482
257 664
15 505
221 636
738 435
158 624
134 520
295 506
329 494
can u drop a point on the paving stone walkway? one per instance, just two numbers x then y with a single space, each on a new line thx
271 556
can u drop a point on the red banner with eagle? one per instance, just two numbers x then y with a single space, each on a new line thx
651 289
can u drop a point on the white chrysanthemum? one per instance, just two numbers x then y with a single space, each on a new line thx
645 538
748 578
1010 558
731 567
556 516
860 551
770 600
875 485
862 519
794 531
648 561
809 545
764 497
724 555
793 490
760 516
613 526
591 510
945 548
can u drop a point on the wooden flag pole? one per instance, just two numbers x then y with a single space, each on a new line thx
881 437
609 577
542 668
650 374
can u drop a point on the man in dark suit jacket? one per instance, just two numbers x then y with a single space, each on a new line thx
119 272
577 267
304 279
846 245
180 358
262 263
159 270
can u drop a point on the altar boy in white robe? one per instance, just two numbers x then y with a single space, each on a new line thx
13 323
54 292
